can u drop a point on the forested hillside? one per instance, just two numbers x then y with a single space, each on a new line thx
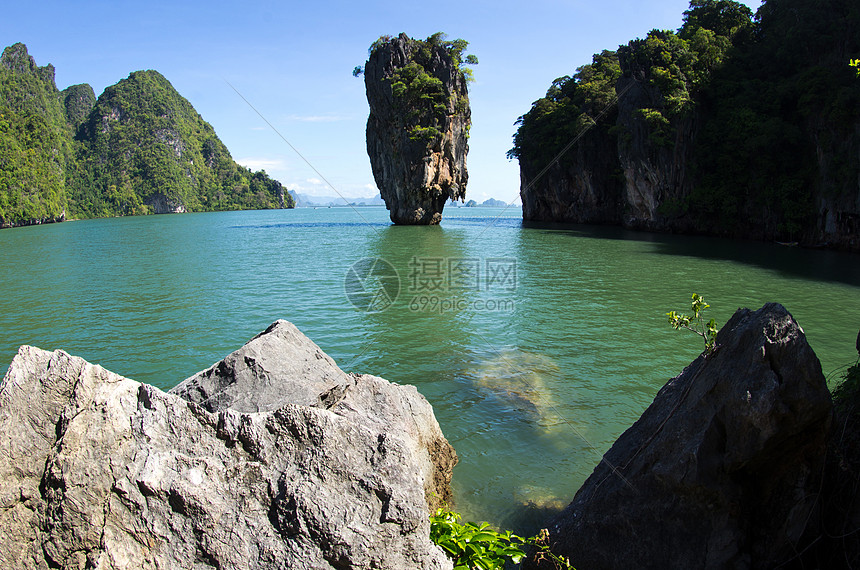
734 125
36 142
140 148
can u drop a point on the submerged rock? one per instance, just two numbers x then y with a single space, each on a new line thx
100 471
417 131
522 381
723 470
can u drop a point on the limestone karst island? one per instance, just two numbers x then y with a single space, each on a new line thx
418 128
250 319
140 148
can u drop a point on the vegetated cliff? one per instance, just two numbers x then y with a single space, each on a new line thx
723 470
140 148
729 126
36 147
144 146
275 459
78 101
418 128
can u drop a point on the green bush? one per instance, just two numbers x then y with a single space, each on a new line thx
478 547
845 394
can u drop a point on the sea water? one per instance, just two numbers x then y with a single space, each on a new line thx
537 345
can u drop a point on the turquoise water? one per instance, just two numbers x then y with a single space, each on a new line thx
536 345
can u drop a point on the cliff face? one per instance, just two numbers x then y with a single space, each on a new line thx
655 162
837 159
728 127
417 131
571 192
35 142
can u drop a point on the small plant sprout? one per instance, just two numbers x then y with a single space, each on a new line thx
695 322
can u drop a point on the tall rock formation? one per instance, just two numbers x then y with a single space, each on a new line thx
323 470
723 470
655 153
418 128
585 185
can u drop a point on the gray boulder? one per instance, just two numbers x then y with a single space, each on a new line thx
99 471
723 470
282 366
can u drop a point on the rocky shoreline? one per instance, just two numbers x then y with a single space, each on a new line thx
723 470
276 458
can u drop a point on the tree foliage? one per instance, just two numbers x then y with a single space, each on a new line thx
776 120
35 141
570 104
772 105
695 322
143 142
66 153
478 547
418 88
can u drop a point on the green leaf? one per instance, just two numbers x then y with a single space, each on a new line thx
485 536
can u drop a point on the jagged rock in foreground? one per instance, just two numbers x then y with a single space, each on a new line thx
723 470
282 366
418 128
100 471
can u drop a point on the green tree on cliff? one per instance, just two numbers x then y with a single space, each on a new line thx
570 104
36 141
765 106
143 142
418 92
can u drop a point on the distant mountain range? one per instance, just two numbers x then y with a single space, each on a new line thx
488 203
308 201
493 203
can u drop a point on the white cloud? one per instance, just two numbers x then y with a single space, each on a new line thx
316 118
261 163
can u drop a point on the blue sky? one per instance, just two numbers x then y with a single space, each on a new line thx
293 61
